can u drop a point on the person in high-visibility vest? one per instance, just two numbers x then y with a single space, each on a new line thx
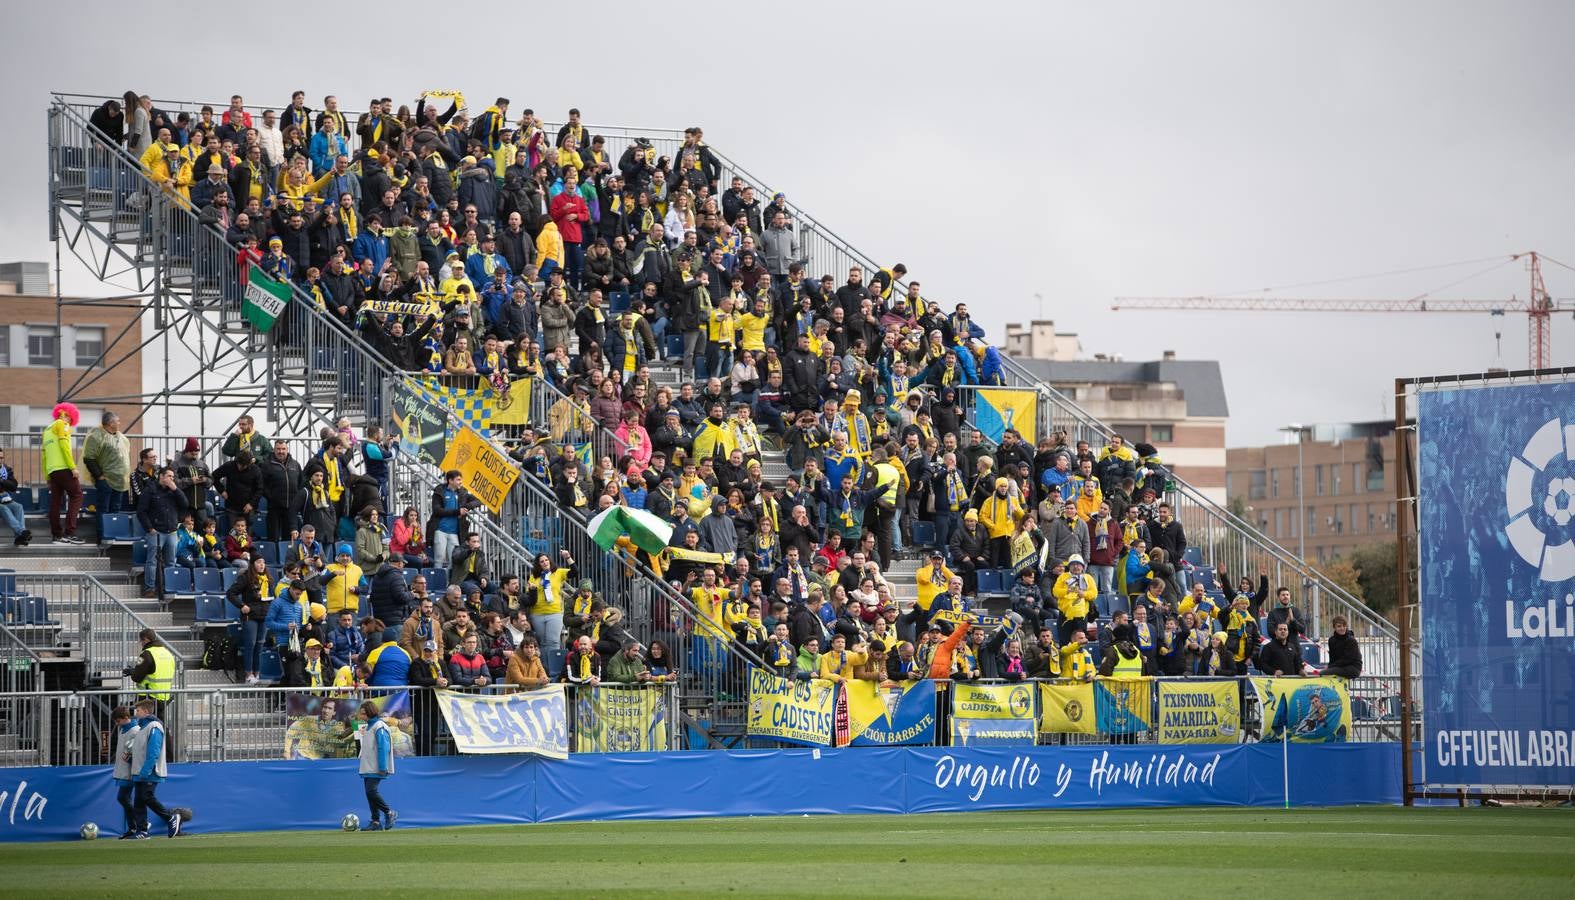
884 515
153 672
60 468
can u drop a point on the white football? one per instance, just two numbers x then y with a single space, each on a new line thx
88 831
351 822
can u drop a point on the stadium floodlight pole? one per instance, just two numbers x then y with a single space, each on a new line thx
1301 431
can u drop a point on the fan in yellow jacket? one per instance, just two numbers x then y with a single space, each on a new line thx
838 663
549 246
1000 512
714 437
1074 591
932 580
1088 500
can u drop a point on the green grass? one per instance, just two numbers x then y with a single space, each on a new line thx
1508 854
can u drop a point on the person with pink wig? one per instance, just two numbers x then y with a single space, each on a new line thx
60 467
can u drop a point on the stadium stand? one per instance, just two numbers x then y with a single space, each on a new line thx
810 443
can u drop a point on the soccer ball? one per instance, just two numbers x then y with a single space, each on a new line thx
89 831
351 822
1560 501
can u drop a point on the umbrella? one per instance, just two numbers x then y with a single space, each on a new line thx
647 531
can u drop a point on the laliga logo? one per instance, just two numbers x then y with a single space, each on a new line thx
1555 562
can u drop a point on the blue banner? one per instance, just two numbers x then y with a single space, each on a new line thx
42 804
906 715
1497 558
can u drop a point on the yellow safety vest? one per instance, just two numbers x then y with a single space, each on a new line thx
158 684
1127 669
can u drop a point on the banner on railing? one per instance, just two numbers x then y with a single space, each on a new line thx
1066 708
790 710
265 298
1207 712
524 722
887 715
323 726
1123 705
614 719
488 474
472 404
419 424
1001 408
1311 710
985 714
511 406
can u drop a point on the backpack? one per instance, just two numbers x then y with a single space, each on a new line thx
218 651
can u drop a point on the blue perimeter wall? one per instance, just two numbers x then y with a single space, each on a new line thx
50 803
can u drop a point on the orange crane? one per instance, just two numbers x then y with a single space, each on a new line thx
1539 307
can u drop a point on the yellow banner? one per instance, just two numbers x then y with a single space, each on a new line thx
799 711
619 719
488 474
511 406
1312 710
1207 712
1066 708
993 701
397 308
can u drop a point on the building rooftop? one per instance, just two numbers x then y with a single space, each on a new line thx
1200 380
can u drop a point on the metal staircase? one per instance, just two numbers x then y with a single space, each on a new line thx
309 372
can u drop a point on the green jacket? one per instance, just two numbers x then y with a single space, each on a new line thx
623 670
108 456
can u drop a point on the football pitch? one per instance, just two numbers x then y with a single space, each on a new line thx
1361 852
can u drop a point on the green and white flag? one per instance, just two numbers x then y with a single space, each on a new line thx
265 299
646 530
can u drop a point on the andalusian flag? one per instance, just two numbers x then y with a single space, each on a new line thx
265 299
1001 408
645 530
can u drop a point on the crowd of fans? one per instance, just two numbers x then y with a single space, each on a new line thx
556 259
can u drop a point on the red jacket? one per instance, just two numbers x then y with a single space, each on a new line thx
562 205
464 670
1111 551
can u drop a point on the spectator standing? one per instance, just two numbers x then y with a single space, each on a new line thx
283 487
160 510
60 468
106 454
1284 613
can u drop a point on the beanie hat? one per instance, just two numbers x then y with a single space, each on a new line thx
192 446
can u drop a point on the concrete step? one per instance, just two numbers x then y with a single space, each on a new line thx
57 562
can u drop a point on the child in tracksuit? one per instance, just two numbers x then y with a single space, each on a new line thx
125 734
148 769
377 763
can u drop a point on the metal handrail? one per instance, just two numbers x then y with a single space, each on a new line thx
1021 377
94 601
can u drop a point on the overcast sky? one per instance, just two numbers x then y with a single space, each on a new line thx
1003 150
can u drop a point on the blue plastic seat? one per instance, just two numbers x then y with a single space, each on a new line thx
119 527
227 576
212 609
208 581
924 534
178 581
1312 654
36 612
7 582
437 580
269 668
1193 555
270 551
1203 575
139 554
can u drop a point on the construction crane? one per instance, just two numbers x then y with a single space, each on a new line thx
1538 307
